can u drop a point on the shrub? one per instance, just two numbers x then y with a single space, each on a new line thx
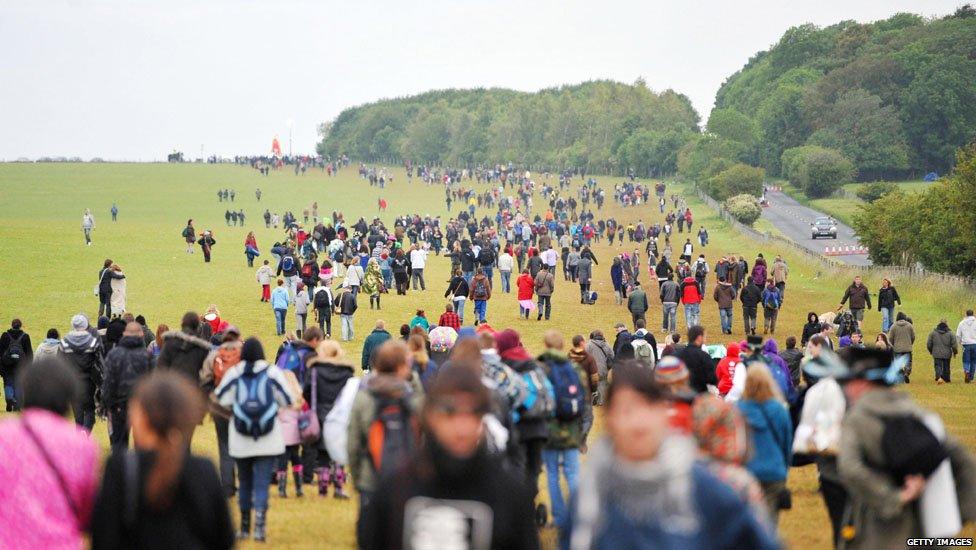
744 208
737 179
817 171
870 192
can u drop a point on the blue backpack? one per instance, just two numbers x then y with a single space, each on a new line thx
255 409
293 359
540 399
567 389
287 263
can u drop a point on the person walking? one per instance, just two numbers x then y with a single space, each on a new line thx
176 501
105 277
82 349
637 304
505 265
255 436
860 299
15 353
887 298
264 275
724 295
966 334
884 489
323 303
346 305
901 336
184 350
584 272
750 297
603 357
772 436
480 293
87 226
279 306
943 346
544 287
418 261
691 298
670 294
373 341
332 371
206 243
457 291
779 272
771 301
50 468
125 365
302 303
215 366
525 285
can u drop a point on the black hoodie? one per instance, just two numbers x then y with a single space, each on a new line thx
330 378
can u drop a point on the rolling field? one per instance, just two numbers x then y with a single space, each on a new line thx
47 275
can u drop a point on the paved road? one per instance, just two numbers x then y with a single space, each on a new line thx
793 220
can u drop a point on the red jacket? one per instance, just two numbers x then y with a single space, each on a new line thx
726 368
689 291
526 286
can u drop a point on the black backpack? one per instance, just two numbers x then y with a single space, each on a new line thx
14 352
700 271
910 447
322 300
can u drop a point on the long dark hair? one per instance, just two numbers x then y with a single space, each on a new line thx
173 407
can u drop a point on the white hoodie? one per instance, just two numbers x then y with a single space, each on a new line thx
967 331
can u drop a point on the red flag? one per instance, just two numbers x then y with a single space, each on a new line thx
275 146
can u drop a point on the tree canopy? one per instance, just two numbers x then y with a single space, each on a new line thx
600 126
896 97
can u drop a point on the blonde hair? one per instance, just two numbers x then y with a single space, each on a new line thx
760 385
418 347
553 339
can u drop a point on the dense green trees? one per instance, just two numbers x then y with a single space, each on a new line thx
934 227
601 126
896 97
737 179
744 208
817 171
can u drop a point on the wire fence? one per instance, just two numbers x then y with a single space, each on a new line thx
889 271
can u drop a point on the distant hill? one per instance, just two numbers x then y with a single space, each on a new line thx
897 97
599 126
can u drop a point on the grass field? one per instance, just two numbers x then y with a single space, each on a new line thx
47 276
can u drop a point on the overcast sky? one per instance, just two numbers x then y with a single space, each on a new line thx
124 79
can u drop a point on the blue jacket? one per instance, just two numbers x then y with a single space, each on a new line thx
617 276
725 522
772 438
279 298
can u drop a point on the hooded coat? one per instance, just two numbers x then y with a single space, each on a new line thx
183 353
942 343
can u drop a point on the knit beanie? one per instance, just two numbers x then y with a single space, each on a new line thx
670 370
79 322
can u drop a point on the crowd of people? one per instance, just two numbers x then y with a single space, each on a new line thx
444 436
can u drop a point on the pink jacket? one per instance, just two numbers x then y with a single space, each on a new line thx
288 419
36 513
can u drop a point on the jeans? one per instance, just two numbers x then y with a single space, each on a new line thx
488 271
480 310
459 307
221 425
969 358
749 318
84 407
301 319
569 459
887 315
87 236
10 392
769 320
292 283
104 303
725 316
118 433
325 320
545 306
418 275
506 281
280 320
254 473
346 327
692 314
670 322
468 275
387 278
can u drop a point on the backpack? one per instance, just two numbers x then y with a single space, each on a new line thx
391 436
287 263
480 290
225 358
700 271
255 409
770 299
292 359
307 271
567 389
643 352
14 352
909 447
540 397
322 299
186 232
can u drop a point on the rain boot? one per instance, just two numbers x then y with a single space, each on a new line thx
339 480
260 517
282 483
296 473
323 474
245 530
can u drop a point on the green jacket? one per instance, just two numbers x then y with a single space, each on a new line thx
901 336
878 518
637 302
371 344
361 416
571 434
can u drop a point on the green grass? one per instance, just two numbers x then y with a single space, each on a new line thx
48 274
